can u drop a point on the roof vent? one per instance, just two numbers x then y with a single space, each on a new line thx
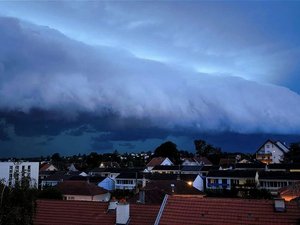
279 205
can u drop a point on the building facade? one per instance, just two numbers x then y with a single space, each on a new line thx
271 152
18 172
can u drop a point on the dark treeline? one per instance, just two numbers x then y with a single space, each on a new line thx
166 149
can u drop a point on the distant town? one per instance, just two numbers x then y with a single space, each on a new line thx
154 187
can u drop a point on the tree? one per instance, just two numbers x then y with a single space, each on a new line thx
17 204
56 157
93 160
205 149
168 149
293 155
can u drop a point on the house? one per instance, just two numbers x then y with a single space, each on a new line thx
58 212
166 169
47 167
227 179
159 161
155 190
15 172
106 183
250 166
194 180
113 172
98 172
196 161
72 168
196 210
205 169
225 163
275 180
191 169
53 179
287 167
60 176
82 191
271 152
129 180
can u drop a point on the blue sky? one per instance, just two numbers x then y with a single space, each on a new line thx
89 76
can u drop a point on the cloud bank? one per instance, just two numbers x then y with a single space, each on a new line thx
43 69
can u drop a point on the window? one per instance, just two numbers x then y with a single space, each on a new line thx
23 171
236 182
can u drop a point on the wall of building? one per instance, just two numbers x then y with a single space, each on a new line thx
100 198
270 148
199 183
12 172
107 184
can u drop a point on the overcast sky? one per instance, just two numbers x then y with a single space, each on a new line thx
85 76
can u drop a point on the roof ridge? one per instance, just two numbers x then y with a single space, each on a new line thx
161 210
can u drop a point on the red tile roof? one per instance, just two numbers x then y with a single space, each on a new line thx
143 214
78 187
203 160
156 161
58 212
45 166
193 210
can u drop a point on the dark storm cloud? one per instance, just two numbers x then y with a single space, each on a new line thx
127 145
78 131
99 144
134 134
4 136
49 80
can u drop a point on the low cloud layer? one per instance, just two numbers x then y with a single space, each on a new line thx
43 69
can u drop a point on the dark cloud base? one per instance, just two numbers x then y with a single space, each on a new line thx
111 132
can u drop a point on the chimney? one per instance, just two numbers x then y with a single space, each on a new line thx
112 204
279 205
122 215
144 181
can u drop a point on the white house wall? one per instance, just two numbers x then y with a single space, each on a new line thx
199 183
11 170
107 184
167 162
277 153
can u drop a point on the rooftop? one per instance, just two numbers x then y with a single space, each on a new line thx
71 187
197 211
58 212
156 161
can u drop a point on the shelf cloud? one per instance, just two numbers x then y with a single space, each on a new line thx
42 68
